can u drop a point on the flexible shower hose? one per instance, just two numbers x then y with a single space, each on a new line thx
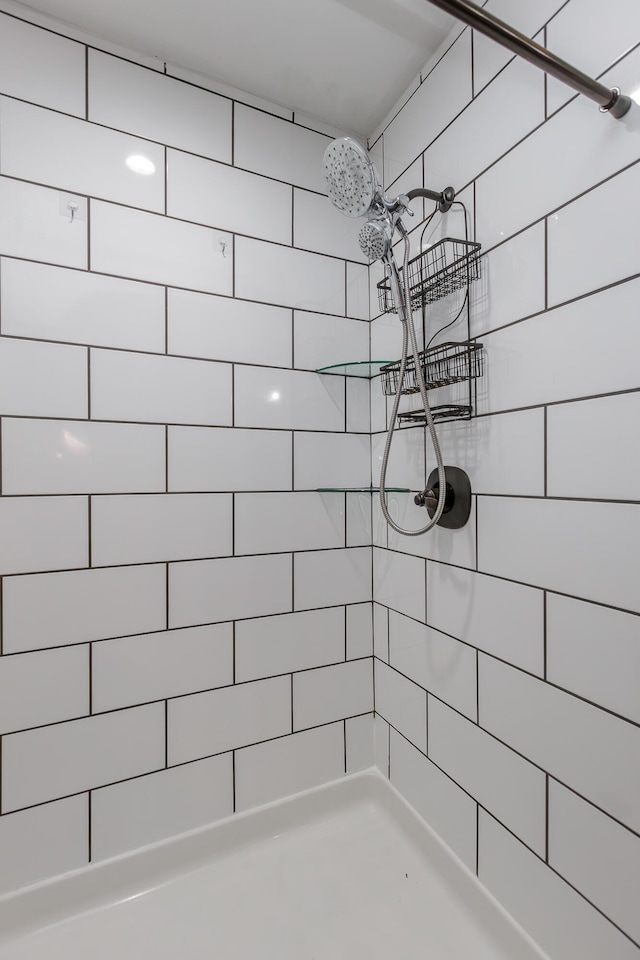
403 300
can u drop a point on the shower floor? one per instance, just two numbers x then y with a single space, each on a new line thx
346 871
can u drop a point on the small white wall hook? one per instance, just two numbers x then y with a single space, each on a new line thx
223 247
72 207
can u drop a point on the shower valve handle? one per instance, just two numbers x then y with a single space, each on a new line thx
427 499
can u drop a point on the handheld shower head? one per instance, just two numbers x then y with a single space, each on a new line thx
375 239
350 176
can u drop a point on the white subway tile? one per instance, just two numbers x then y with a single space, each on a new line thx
444 93
67 456
443 666
318 226
42 842
288 399
593 651
358 405
279 149
33 226
580 745
359 630
406 465
277 522
227 198
522 371
227 90
412 177
582 36
286 766
507 786
132 670
381 732
312 122
206 591
331 460
488 56
145 529
51 762
51 610
51 303
358 519
402 703
381 632
324 578
399 582
359 743
376 274
379 525
44 687
39 379
268 646
386 337
160 805
225 719
597 856
291 278
560 545
593 241
443 805
321 340
570 429
71 154
222 328
502 454
569 153
203 458
147 246
128 97
357 291
439 543
138 386
512 282
43 533
561 921
332 693
502 618
41 66
485 131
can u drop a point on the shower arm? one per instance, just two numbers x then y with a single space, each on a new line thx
610 100
443 199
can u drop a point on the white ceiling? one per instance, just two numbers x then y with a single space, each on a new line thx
343 61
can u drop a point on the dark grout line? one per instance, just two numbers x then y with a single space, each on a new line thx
164 72
564 879
186 763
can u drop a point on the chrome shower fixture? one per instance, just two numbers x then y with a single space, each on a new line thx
355 189
351 177
375 239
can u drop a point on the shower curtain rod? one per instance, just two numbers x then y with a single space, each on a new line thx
611 101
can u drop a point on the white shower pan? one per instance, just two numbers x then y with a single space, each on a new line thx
344 872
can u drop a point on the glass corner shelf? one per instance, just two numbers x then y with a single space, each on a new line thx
358 368
361 490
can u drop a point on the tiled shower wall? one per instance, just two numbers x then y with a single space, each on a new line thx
177 599
508 653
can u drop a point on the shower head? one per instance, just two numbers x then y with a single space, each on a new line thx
375 239
350 176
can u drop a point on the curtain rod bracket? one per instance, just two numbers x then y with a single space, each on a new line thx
618 105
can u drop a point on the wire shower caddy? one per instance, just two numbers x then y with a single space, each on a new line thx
439 270
447 266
